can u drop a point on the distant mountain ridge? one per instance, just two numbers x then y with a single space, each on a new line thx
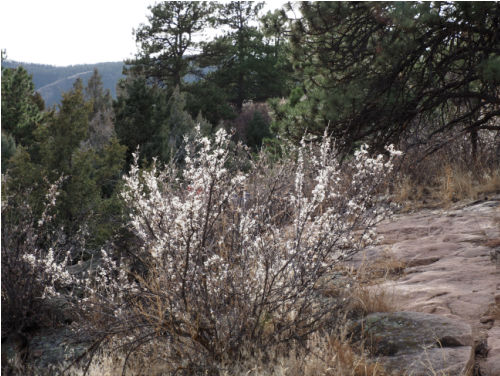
51 81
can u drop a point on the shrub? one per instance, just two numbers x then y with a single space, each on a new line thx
34 260
232 262
252 125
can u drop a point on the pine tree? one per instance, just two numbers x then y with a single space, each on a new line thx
237 55
101 118
65 130
8 149
371 71
177 125
140 111
94 92
168 42
20 105
247 63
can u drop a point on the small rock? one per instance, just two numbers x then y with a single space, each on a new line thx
486 319
482 348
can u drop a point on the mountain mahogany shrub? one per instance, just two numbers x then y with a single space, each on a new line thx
237 261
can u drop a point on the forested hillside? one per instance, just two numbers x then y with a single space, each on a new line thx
51 81
198 220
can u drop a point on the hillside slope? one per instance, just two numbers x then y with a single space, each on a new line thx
51 81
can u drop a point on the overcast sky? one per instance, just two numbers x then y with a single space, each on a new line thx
67 32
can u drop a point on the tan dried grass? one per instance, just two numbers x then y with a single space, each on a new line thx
453 183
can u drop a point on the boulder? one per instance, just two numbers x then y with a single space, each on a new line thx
419 343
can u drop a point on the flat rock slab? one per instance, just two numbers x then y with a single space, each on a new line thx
450 270
419 343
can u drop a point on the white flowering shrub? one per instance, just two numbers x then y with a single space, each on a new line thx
34 263
234 260
228 261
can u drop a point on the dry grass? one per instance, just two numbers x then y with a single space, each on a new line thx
367 295
460 184
323 355
385 267
454 171
453 183
371 299
331 356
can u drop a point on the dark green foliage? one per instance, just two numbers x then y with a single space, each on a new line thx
140 111
248 65
167 42
252 125
211 100
258 130
20 106
25 183
87 199
101 118
64 131
244 64
38 100
373 70
177 125
96 94
8 149
150 109
148 120
206 127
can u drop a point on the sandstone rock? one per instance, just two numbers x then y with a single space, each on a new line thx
449 269
419 343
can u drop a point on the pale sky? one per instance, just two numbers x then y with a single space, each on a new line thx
67 32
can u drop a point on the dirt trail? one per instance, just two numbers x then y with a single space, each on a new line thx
453 269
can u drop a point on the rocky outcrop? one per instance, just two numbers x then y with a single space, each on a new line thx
449 270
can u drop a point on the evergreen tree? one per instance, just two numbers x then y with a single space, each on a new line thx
8 149
101 118
371 71
168 42
206 97
64 131
94 92
20 105
177 125
140 111
87 199
251 126
148 120
241 57
258 130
